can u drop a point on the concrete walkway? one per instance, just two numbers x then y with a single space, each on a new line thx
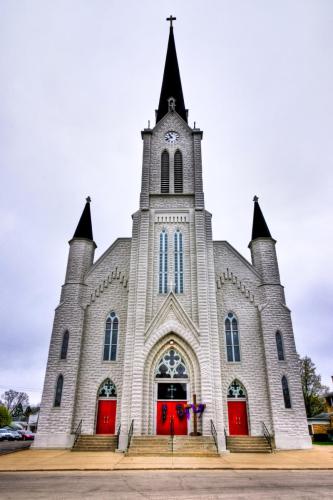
320 457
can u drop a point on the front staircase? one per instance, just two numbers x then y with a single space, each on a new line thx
248 444
185 446
95 442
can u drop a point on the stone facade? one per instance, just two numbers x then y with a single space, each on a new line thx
217 281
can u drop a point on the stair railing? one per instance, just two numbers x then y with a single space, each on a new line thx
172 432
118 435
77 433
214 434
130 434
267 436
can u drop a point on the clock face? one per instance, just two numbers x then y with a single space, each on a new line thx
171 137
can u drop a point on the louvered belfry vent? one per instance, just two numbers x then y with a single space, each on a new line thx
178 177
165 175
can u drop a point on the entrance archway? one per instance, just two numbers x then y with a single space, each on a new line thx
171 378
107 408
237 410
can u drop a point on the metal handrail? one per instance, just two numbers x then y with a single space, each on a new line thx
172 432
267 436
214 434
118 435
130 434
77 433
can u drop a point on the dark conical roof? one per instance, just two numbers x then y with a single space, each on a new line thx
259 228
171 85
84 227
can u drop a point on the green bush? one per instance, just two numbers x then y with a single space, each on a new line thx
5 418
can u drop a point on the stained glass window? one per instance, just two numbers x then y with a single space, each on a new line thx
236 390
64 345
232 338
163 264
107 389
58 393
111 338
279 346
179 264
286 394
171 365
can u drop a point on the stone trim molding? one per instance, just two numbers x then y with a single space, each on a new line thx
115 275
172 217
229 276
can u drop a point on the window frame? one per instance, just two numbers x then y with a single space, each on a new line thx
163 262
179 261
111 343
279 334
57 399
232 345
284 377
165 169
180 169
63 352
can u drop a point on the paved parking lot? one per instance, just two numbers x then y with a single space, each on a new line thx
171 485
10 446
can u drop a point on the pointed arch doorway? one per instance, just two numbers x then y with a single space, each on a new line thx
171 378
237 410
107 408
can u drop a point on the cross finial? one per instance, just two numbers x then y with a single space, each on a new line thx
88 199
171 18
255 199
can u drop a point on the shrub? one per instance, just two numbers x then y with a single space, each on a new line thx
5 418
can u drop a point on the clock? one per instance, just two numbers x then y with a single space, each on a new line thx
171 137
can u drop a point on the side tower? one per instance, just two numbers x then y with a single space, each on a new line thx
58 399
283 377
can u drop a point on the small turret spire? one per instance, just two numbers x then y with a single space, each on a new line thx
171 84
84 227
259 227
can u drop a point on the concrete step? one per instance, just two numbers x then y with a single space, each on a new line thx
101 442
248 444
195 446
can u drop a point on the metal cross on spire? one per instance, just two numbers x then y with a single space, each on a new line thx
171 18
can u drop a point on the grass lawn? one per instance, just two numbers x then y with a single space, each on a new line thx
323 443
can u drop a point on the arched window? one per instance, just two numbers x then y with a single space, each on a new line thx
165 174
286 394
64 345
163 274
279 346
179 265
178 172
107 389
171 365
58 392
232 338
236 390
111 338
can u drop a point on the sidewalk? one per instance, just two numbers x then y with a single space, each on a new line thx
320 457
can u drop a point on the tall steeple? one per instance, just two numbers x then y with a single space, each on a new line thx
259 227
171 85
84 227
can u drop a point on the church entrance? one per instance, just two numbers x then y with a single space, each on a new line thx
107 408
237 410
171 394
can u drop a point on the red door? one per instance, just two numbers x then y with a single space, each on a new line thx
237 418
106 417
180 422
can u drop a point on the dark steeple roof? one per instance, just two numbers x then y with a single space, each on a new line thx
84 228
259 228
171 85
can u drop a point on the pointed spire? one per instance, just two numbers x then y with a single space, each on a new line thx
259 228
84 227
171 85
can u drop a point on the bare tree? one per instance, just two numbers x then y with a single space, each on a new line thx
12 399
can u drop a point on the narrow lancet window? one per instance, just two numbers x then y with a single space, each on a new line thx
178 172
163 264
286 394
165 173
111 338
179 264
279 346
58 392
232 338
64 345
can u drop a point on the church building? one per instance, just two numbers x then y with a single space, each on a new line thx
171 332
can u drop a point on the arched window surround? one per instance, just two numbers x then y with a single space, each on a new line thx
58 391
231 336
111 337
179 261
165 172
64 345
286 392
163 262
280 346
171 365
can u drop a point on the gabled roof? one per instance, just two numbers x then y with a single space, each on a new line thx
84 227
171 84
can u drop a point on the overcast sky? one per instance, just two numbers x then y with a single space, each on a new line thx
80 80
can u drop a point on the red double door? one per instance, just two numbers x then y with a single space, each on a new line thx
237 414
106 416
166 411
